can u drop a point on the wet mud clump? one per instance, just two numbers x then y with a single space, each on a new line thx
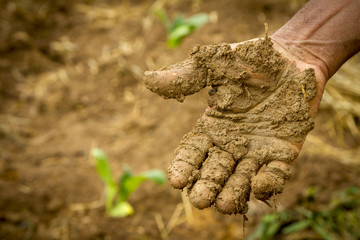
250 134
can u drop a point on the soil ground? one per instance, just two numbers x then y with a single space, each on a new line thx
71 79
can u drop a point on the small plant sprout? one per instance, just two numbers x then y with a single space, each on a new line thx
180 27
117 194
339 219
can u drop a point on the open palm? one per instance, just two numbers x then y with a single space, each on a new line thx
257 119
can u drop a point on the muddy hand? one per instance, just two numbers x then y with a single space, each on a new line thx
253 129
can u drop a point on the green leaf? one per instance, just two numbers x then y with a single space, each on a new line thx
180 27
128 183
121 209
267 228
177 22
177 35
321 231
197 20
269 218
157 176
260 231
102 166
126 175
297 226
272 230
123 182
104 171
129 186
111 193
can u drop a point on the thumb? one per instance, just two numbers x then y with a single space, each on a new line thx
176 81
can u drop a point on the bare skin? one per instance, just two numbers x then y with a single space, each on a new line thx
265 94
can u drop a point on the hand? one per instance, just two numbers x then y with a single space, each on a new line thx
258 116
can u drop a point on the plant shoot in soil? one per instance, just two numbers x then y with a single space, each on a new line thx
117 194
180 27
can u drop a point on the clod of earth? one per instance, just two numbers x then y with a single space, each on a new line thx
250 134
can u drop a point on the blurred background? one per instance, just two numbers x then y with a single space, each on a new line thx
71 80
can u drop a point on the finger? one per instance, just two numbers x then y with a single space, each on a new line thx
270 180
236 192
176 81
188 158
215 171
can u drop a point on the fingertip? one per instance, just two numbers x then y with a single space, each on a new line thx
179 174
270 179
266 184
149 77
202 194
154 81
225 203
234 196
176 81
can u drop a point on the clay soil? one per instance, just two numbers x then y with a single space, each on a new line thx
71 79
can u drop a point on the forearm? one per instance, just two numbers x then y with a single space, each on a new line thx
325 33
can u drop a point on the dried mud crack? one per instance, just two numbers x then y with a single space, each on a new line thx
248 137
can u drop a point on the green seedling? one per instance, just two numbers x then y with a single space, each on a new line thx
340 219
117 194
269 226
180 27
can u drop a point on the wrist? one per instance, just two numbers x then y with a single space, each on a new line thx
324 37
304 55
